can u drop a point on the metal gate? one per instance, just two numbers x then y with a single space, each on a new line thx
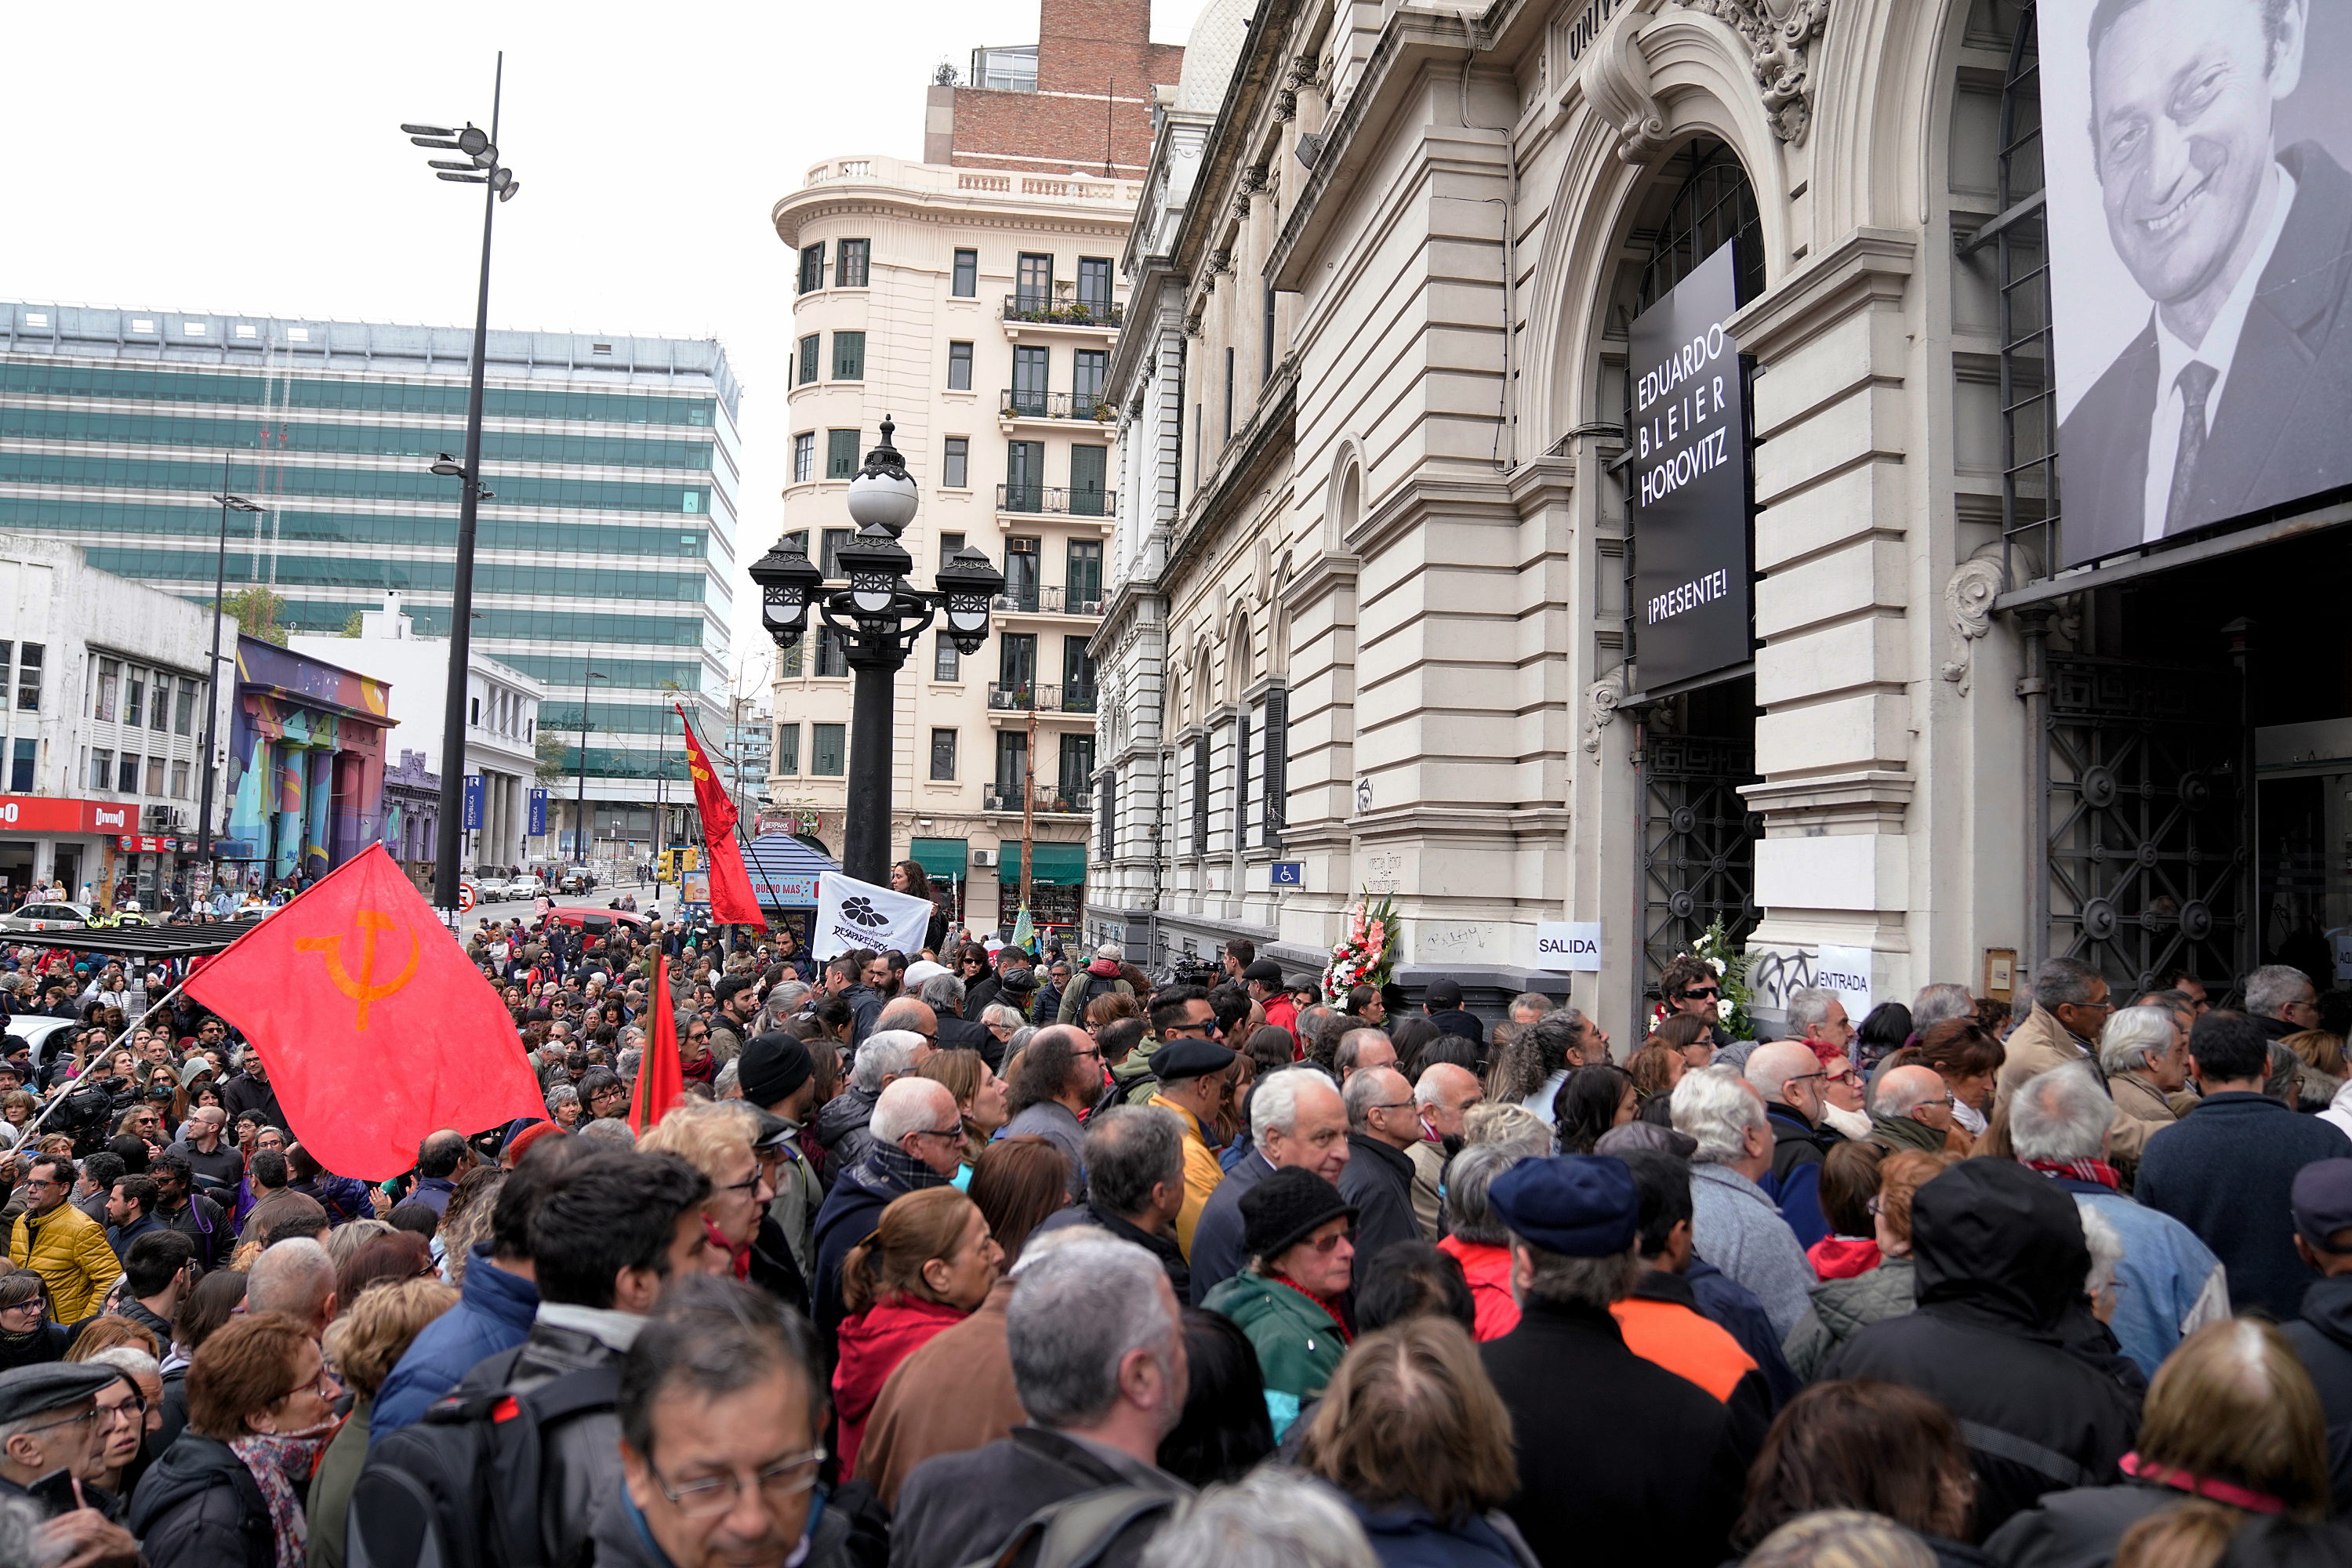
2150 817
1698 841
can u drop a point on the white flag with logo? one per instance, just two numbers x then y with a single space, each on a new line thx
851 913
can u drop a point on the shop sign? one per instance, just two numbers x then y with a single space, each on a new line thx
49 814
2201 308
148 844
1687 486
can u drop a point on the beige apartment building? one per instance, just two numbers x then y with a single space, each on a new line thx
1377 620
972 300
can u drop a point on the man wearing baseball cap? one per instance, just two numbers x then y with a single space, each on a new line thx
1665 1487
2321 1202
1264 980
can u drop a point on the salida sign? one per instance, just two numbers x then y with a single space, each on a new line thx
1688 483
1569 945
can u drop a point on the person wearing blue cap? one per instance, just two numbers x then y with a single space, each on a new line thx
1663 1484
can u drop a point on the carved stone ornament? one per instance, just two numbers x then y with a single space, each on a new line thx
1286 105
1192 322
1776 33
1617 85
1968 605
1601 699
1221 259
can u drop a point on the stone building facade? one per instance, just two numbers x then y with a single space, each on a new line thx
1369 615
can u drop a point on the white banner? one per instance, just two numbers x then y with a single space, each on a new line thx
851 913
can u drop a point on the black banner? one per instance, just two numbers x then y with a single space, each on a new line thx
1687 486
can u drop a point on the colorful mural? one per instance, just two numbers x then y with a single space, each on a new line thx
306 761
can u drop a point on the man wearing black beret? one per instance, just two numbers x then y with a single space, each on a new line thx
1665 1486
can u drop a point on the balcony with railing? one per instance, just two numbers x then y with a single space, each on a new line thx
1076 801
1060 501
1031 600
1022 697
1026 403
1062 311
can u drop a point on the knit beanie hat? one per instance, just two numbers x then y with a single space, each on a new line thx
771 1068
1285 1207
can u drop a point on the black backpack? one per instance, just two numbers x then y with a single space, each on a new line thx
461 1487
1075 1531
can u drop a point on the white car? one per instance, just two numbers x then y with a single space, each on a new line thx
41 1033
493 890
47 917
526 886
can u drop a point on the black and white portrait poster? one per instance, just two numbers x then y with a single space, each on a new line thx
2199 219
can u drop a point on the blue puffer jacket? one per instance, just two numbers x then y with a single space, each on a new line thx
493 1314
1405 1535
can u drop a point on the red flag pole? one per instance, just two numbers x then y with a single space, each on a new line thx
661 1081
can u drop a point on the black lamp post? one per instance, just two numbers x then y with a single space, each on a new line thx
480 167
879 617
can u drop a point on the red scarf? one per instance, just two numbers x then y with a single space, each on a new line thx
740 1258
2097 1171
1329 1310
2236 1495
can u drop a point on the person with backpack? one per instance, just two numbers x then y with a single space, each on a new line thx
1101 977
509 1471
1097 1350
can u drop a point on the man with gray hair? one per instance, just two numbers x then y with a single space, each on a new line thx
909 1015
1443 1098
1097 1350
296 1278
1382 1124
1296 1118
842 1121
1135 1186
1360 1049
916 1142
2070 1009
943 995
2172 1285
1735 1225
1789 1076
1940 1004
1816 1017
2145 1054
2281 999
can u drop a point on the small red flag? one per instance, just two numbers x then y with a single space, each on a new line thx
731 902
376 1028
661 1078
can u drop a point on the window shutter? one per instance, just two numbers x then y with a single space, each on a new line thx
1241 780
1200 796
1277 764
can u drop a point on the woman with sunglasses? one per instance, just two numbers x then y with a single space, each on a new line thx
1300 1234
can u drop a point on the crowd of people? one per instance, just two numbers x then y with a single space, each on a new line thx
974 1255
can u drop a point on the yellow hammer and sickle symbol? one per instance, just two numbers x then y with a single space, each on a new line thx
365 989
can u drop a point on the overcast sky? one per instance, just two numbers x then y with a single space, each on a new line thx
247 158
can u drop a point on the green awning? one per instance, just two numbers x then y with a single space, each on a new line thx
1061 865
947 857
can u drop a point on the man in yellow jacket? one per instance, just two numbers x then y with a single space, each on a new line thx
63 1246
1191 1074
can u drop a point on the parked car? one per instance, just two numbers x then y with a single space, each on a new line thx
577 879
493 890
47 917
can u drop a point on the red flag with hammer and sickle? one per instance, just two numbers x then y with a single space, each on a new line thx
376 1028
731 902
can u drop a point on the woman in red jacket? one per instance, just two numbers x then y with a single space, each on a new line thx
929 1262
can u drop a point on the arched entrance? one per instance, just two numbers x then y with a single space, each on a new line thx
1697 739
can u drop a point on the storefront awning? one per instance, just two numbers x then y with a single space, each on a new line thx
1059 864
947 857
784 870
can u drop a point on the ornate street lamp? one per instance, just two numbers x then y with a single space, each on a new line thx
879 616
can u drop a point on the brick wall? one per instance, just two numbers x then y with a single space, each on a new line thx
1095 67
